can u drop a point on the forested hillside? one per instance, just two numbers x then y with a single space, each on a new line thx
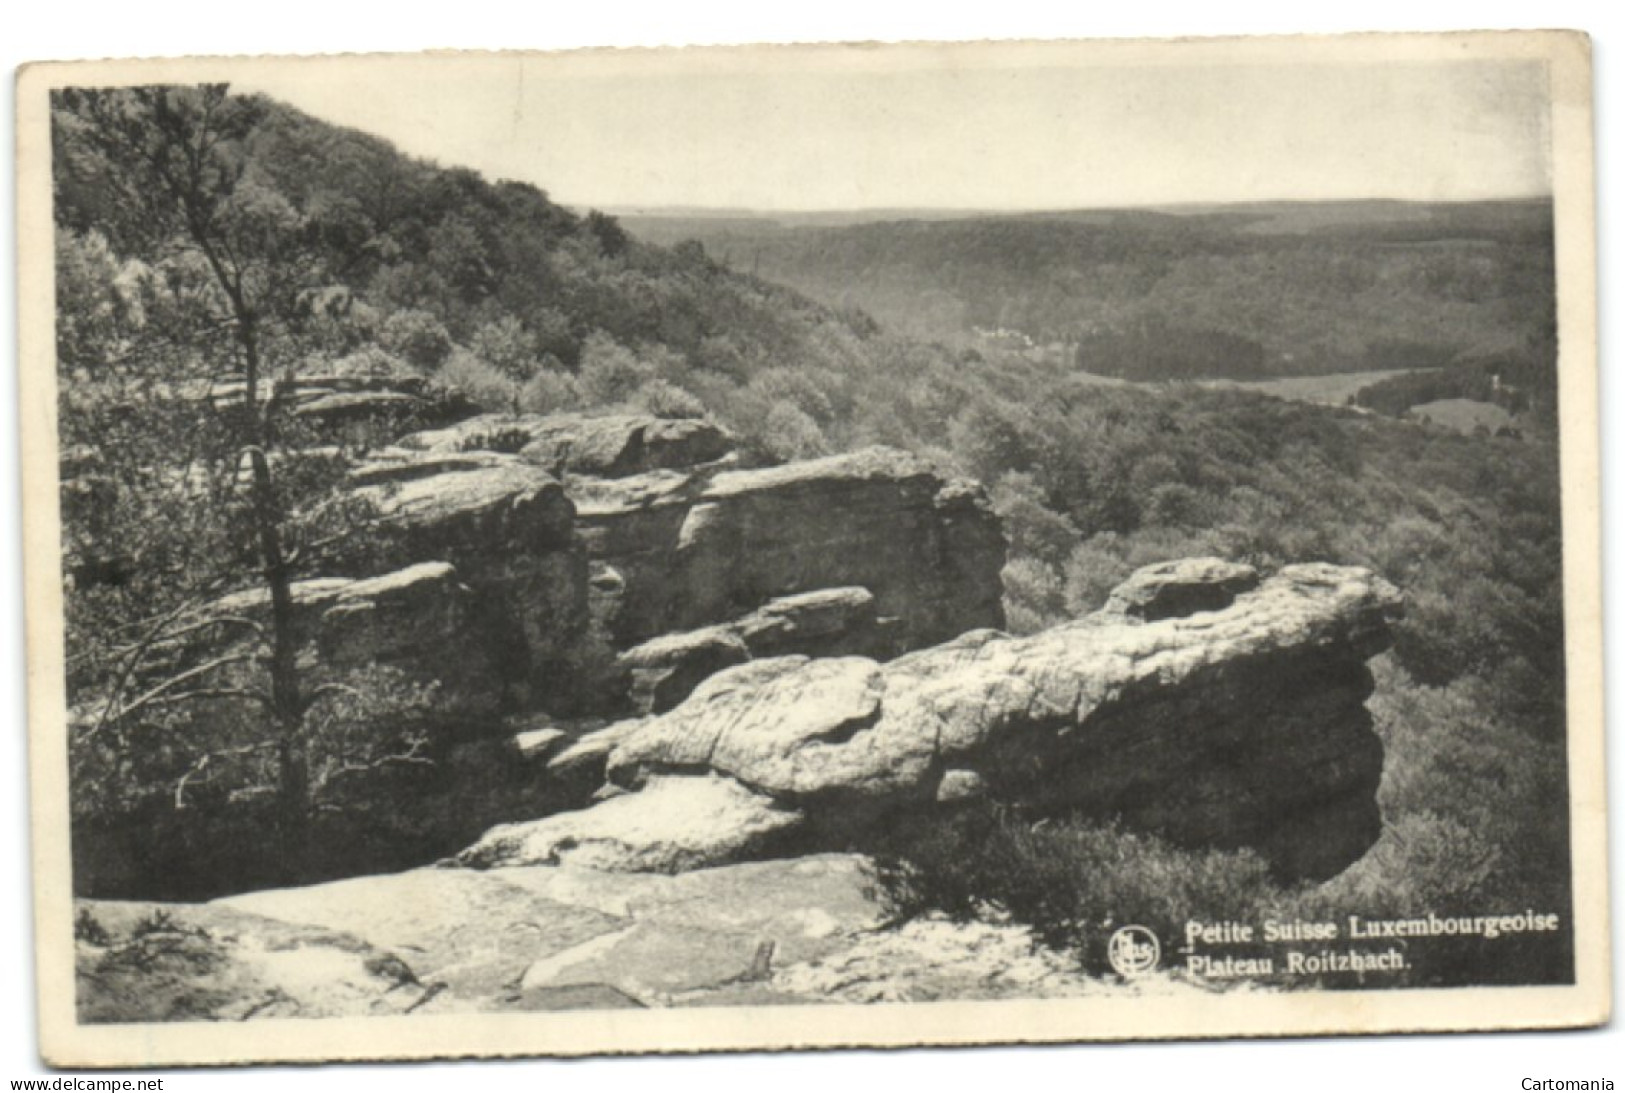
209 242
490 280
1240 291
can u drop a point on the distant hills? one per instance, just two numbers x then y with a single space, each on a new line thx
1280 288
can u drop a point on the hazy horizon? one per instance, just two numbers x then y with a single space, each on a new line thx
952 211
848 132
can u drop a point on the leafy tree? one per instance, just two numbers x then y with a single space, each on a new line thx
416 336
506 344
168 171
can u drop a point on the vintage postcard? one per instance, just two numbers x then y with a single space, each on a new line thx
845 545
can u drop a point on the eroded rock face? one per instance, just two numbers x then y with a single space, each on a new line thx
611 586
829 622
1242 726
929 549
664 671
696 550
407 619
413 613
508 527
470 511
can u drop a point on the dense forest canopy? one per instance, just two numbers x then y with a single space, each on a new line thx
353 259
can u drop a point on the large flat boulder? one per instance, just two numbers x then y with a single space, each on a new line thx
806 930
1243 726
675 824
664 671
460 940
475 512
1183 587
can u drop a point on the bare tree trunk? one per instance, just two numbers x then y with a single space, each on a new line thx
294 776
293 773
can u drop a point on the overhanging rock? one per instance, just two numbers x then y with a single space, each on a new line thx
1239 726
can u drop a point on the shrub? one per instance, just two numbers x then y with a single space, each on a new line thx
510 440
1175 503
795 388
1034 597
610 373
417 337
782 433
485 385
1093 570
1034 529
372 362
667 400
549 392
506 344
1072 882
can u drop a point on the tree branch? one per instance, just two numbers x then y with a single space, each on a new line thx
137 655
203 762
213 692
410 757
216 620
329 689
175 681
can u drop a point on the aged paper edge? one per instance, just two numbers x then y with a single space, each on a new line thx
64 1042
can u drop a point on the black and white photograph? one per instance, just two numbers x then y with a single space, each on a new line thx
811 546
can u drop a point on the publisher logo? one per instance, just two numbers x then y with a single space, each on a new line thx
1133 950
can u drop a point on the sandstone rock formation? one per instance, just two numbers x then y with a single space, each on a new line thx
1240 725
1203 703
695 550
1182 587
928 549
351 406
406 619
604 445
610 593
508 528
829 622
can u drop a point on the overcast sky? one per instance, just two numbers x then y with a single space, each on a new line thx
821 131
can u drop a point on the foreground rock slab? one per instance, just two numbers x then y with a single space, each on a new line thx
185 962
801 931
470 933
